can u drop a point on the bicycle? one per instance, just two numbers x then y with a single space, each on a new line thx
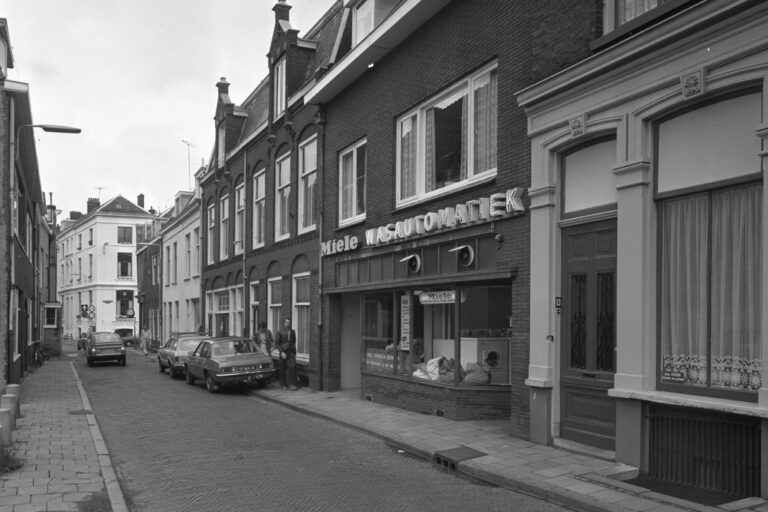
39 353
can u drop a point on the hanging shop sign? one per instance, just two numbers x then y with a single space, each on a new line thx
339 245
483 209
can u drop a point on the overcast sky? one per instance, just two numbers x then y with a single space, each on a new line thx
138 76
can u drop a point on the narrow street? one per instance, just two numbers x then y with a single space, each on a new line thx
178 447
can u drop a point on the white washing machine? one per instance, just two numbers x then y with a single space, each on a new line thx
494 352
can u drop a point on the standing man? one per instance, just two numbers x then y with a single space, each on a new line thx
286 344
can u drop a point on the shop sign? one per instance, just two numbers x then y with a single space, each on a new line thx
378 358
339 245
441 297
484 209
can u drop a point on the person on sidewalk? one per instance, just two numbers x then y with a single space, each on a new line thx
286 344
264 339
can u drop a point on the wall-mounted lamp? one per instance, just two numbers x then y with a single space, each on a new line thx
465 254
413 261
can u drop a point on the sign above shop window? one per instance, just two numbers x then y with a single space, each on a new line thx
441 297
339 245
476 211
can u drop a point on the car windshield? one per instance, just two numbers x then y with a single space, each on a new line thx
226 348
106 338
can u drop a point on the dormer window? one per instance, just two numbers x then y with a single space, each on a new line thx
278 87
363 21
622 15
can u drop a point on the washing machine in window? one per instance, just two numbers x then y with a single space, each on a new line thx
494 352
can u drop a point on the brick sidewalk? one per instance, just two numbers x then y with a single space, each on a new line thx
66 464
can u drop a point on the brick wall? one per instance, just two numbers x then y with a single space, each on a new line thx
529 40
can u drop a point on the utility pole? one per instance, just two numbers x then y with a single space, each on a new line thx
189 164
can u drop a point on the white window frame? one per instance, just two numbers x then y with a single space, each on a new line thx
175 267
359 32
278 88
224 227
196 261
274 309
301 355
259 207
211 231
305 175
357 217
239 241
280 201
254 296
466 87
188 255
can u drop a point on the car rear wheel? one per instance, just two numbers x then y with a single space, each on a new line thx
209 384
190 378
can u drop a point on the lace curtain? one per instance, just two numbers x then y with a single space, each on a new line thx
485 126
711 275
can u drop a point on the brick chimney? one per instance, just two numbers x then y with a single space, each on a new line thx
140 200
281 10
93 203
223 86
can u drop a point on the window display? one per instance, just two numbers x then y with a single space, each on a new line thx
432 327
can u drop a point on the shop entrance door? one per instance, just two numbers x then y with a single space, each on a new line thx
588 325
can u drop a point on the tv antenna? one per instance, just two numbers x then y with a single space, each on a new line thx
189 164
99 189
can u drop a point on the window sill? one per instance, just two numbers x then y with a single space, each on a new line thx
694 401
459 186
304 231
351 222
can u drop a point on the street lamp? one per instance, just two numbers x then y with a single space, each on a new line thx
53 128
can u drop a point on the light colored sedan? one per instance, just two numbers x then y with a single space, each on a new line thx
228 361
174 354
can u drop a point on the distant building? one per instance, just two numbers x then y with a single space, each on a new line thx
28 309
96 263
181 253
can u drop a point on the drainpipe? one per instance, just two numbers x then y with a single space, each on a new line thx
320 123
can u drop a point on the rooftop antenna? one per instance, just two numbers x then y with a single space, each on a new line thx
189 164
100 189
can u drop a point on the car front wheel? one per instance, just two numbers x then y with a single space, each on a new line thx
209 384
190 378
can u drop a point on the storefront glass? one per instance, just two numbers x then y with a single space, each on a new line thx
415 334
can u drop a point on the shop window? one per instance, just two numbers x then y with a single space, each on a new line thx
710 293
449 141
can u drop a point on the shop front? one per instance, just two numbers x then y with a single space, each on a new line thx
427 325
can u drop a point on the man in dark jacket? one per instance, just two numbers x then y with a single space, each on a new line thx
286 344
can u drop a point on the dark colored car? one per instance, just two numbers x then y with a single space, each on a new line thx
105 346
226 361
175 352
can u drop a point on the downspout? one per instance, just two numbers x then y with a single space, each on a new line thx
320 123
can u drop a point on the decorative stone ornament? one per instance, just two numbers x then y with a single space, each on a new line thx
692 84
576 125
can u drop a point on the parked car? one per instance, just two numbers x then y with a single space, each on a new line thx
229 360
173 355
105 346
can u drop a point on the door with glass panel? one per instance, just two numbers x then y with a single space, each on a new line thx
588 325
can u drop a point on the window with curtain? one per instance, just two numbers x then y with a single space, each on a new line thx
450 140
259 205
282 197
352 163
124 234
307 181
224 227
239 218
301 303
710 300
211 230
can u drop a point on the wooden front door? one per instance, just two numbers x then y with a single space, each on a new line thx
588 324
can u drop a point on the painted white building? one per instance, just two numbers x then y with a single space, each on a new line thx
96 262
181 239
